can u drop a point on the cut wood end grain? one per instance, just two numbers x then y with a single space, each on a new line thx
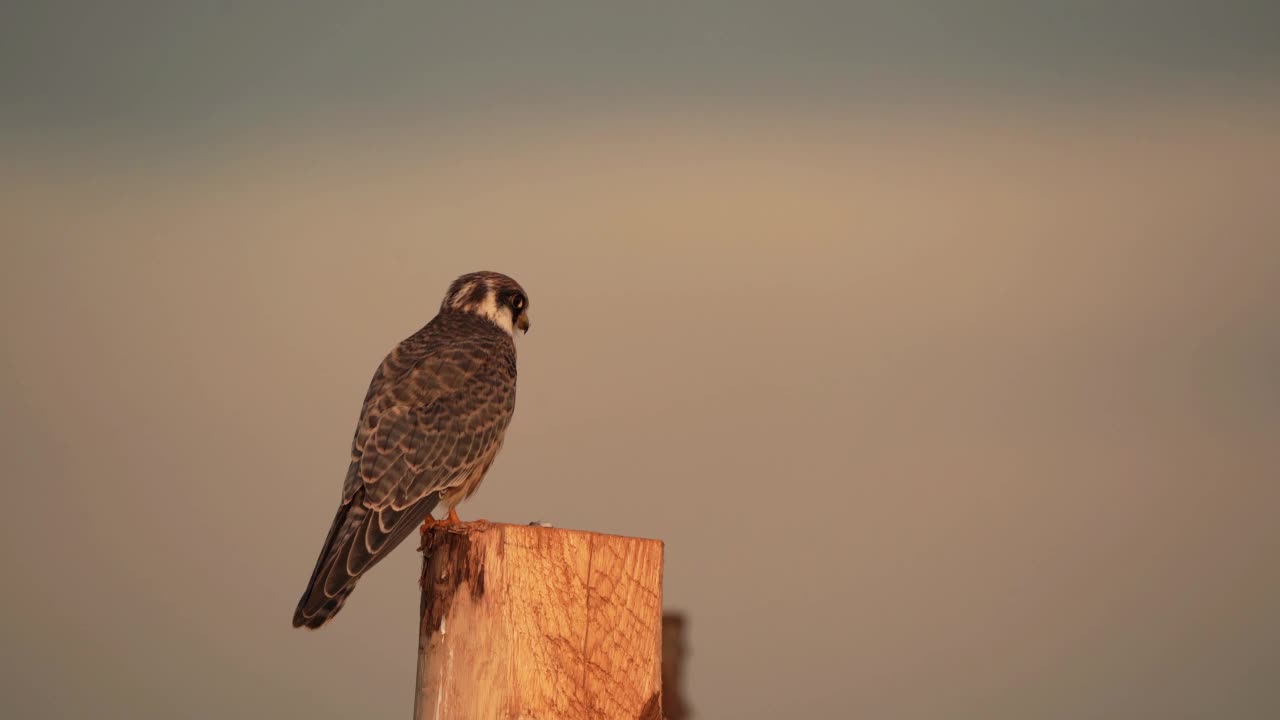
528 621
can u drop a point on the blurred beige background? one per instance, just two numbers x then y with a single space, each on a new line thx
942 348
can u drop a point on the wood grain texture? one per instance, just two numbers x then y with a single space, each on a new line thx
531 622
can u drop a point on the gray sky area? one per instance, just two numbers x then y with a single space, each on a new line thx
939 342
166 69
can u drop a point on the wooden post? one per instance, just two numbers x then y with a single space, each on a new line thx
674 704
520 621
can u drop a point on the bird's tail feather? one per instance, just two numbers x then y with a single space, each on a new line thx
358 539
316 606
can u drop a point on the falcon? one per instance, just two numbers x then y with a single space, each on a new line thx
433 421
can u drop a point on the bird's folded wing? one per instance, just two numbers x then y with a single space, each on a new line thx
408 456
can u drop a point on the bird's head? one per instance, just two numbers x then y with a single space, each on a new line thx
492 296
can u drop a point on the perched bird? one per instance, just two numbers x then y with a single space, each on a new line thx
433 420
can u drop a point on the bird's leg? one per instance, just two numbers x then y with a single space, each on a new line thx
430 523
450 519
427 524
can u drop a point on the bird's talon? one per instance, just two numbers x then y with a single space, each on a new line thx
426 527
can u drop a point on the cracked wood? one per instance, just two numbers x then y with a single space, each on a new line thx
531 622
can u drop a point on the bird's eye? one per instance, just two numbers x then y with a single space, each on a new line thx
517 301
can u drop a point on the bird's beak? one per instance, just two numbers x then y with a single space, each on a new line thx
523 322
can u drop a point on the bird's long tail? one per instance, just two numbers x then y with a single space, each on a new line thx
358 539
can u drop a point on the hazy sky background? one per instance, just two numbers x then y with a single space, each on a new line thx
940 342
